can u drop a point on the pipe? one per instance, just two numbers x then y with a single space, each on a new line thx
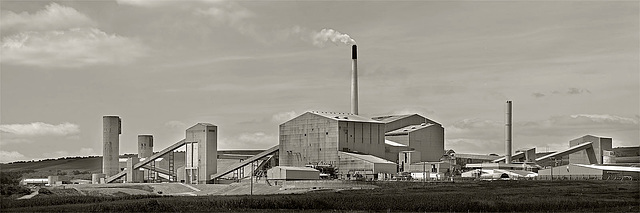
354 80
508 131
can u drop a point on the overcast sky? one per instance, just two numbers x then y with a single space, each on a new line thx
571 69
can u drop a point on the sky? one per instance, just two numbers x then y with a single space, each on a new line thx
571 68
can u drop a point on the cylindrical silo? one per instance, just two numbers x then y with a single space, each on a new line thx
111 126
95 178
145 146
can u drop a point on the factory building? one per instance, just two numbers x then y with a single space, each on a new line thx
600 145
416 133
317 138
584 171
357 146
314 138
623 155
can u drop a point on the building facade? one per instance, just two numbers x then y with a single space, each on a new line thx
314 138
600 144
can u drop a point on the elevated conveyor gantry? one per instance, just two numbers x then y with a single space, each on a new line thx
148 160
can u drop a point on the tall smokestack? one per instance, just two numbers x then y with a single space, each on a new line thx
508 129
354 80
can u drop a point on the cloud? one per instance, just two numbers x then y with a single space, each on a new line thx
9 139
40 129
64 153
538 95
579 124
60 36
56 154
232 14
87 152
258 140
570 91
53 17
475 129
6 157
283 116
175 124
613 119
576 91
160 3
69 48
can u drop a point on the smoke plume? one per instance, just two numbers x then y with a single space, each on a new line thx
331 35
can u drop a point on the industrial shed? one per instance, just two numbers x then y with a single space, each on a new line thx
292 173
593 171
366 166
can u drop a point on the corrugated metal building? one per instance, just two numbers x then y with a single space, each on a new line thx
367 166
600 144
416 132
292 173
582 171
314 138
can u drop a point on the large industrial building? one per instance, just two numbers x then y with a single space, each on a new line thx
354 144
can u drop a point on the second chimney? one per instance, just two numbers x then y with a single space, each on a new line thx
354 80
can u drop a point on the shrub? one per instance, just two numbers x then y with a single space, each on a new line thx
10 189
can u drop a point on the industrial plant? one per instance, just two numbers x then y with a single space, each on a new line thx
320 145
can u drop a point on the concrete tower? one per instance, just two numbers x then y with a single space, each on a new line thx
201 153
354 80
112 128
508 128
145 146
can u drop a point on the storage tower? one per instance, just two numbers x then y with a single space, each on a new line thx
201 153
112 128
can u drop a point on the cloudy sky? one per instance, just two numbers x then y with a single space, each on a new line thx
571 69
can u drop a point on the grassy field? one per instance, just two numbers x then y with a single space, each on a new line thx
502 196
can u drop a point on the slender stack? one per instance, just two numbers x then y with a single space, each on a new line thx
508 130
354 80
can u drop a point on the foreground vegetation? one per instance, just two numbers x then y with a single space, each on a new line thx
9 183
603 196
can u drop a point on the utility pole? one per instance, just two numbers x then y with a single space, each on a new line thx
554 162
424 172
251 178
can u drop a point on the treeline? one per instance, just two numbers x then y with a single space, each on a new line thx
52 159
10 183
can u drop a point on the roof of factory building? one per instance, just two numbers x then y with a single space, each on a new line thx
407 129
393 143
475 156
369 158
391 118
342 116
201 125
611 168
